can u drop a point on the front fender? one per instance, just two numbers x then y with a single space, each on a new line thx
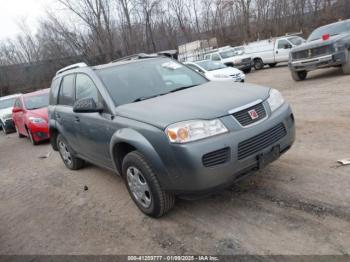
138 141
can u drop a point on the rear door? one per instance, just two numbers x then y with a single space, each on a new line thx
282 50
65 117
94 129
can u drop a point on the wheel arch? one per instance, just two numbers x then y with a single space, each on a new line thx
127 140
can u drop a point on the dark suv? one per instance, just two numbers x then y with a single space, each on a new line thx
165 128
327 46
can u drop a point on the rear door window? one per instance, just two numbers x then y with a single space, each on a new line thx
66 96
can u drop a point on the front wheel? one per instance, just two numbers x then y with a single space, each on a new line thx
143 186
247 70
346 66
72 162
299 75
258 64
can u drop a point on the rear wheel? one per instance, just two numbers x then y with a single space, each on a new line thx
144 187
72 162
346 66
247 70
258 64
299 75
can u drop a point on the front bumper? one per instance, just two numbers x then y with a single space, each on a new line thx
190 176
40 132
330 60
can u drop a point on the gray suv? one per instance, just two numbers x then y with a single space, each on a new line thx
165 128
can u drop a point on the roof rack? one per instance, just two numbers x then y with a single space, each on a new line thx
78 65
135 57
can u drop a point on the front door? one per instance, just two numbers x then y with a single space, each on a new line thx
282 51
95 131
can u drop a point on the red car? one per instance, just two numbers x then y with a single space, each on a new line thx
30 115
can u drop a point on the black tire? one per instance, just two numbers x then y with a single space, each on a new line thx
272 65
74 162
346 66
258 64
299 75
161 201
247 70
4 131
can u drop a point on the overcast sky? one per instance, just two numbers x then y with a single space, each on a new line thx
12 11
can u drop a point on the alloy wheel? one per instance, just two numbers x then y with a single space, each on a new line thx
66 155
139 187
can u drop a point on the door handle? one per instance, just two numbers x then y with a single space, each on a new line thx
77 119
276 52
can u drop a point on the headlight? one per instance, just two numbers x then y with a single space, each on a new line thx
36 120
221 76
193 130
275 100
8 116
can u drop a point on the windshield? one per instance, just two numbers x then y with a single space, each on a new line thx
210 65
35 102
333 29
7 103
148 78
296 40
228 53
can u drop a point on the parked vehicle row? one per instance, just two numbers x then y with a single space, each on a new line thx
169 131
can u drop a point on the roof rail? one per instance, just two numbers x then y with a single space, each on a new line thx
78 65
135 57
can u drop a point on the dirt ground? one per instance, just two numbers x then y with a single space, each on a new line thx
300 204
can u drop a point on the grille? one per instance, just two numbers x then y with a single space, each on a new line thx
236 75
244 118
217 157
314 52
261 141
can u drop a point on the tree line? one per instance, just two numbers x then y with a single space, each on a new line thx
99 31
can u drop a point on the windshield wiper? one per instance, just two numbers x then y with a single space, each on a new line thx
182 88
147 97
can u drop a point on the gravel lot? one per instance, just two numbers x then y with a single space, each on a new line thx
300 204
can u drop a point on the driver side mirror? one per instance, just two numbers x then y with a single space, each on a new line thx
17 110
87 105
287 46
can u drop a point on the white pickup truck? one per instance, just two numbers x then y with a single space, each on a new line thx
271 51
230 57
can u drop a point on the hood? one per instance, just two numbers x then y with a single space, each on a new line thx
318 43
225 71
40 112
5 111
208 101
